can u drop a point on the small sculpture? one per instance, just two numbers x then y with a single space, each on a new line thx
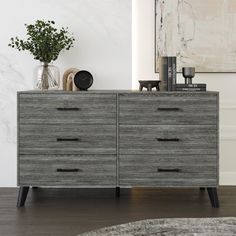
149 84
68 80
188 74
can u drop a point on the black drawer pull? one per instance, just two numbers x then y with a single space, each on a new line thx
69 170
168 109
168 170
68 140
68 109
168 139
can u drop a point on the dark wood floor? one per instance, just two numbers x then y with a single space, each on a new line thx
65 212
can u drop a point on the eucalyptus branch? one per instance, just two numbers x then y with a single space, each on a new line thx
44 41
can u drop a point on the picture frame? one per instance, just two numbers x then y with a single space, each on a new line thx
209 51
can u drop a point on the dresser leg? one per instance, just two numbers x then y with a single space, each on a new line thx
212 192
117 191
22 195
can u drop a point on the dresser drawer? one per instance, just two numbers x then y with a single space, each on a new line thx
168 170
168 108
67 139
67 170
168 139
76 108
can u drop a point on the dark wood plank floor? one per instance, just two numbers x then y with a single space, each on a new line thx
65 212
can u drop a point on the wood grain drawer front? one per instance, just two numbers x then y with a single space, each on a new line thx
149 170
167 109
69 108
168 139
67 139
67 170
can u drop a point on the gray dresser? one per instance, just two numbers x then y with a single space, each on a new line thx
118 139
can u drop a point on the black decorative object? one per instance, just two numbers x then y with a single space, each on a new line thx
167 73
149 84
188 74
83 80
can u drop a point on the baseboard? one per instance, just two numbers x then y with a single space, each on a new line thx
228 178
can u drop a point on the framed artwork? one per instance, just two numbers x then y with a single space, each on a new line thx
201 33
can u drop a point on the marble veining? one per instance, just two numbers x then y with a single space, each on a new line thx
200 33
11 80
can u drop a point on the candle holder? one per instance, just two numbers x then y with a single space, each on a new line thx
188 74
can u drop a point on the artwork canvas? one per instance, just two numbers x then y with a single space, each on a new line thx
201 33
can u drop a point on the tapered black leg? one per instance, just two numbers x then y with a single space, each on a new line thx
202 189
22 195
117 191
212 192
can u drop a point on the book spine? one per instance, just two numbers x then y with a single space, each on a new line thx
163 73
170 74
174 66
191 85
191 89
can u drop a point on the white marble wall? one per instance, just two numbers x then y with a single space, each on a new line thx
102 29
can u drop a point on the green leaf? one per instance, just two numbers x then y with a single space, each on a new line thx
44 42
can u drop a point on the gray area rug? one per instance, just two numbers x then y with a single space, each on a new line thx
172 226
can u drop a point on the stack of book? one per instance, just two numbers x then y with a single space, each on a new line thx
167 76
167 73
191 87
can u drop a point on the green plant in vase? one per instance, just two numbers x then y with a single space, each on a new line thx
45 42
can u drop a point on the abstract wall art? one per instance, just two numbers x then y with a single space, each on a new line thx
201 33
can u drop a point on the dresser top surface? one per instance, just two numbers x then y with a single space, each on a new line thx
113 92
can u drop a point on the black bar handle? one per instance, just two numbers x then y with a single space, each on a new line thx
68 170
168 139
168 170
68 109
168 109
68 140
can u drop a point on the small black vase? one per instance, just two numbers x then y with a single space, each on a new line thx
188 74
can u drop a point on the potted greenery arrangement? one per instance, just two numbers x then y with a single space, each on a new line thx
45 42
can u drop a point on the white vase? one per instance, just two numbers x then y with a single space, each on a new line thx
47 77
